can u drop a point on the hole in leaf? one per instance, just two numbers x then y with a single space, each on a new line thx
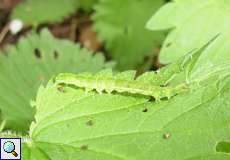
223 147
145 110
89 123
55 55
37 53
84 147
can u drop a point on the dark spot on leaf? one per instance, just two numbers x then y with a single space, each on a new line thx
84 147
168 44
166 135
56 55
37 53
145 110
89 123
223 147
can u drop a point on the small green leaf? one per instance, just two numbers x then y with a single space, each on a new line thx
121 25
31 62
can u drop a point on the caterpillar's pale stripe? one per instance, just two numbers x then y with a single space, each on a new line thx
119 85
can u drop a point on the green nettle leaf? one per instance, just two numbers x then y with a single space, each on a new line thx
32 11
192 24
35 12
33 61
71 122
121 25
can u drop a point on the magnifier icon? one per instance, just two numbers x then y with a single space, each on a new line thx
9 147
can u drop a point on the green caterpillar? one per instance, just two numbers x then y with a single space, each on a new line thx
149 84
101 82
